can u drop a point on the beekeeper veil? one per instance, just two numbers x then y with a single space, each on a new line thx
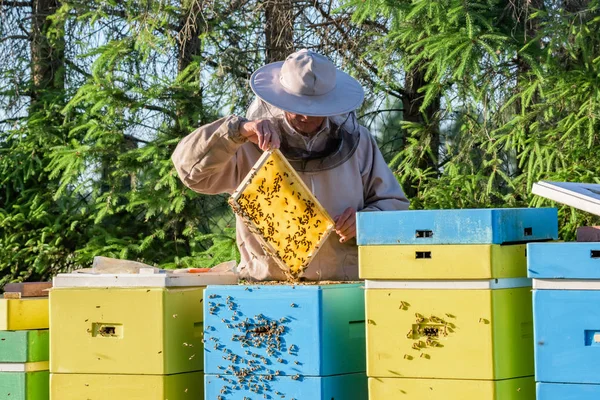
308 83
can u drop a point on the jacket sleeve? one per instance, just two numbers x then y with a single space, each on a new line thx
207 159
382 191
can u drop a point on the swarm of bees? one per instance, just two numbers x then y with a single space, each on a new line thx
262 344
427 332
276 205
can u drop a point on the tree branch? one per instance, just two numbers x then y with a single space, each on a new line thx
9 120
76 68
16 3
131 137
393 90
10 37
380 111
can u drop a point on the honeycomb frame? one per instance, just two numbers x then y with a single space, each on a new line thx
278 207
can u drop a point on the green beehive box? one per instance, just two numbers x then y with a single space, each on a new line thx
24 346
24 385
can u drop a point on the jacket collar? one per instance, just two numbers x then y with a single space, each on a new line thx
315 143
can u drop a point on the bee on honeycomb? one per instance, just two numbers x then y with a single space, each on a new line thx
277 206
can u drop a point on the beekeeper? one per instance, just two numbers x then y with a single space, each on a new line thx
306 108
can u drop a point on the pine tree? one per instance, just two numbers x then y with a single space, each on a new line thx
518 85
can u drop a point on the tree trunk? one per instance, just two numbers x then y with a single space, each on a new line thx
574 6
189 35
47 58
189 105
530 30
412 101
279 29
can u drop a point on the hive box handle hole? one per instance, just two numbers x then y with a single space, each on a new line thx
528 231
422 254
198 329
423 234
595 253
356 330
592 337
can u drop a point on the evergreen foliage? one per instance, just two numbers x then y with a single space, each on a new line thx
520 94
95 94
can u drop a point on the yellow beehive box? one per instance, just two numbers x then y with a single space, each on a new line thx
476 261
449 389
23 314
188 386
275 203
149 330
449 329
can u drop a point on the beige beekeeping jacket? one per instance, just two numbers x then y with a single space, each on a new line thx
215 158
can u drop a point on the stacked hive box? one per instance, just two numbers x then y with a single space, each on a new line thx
126 337
448 305
285 342
24 348
566 319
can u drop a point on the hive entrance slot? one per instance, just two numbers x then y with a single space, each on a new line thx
422 254
107 330
431 331
420 233
595 253
428 330
528 231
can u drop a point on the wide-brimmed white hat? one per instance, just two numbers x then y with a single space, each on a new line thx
307 83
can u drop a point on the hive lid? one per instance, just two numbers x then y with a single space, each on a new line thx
583 196
151 278
278 207
459 226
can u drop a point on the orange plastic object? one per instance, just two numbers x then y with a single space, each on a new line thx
198 270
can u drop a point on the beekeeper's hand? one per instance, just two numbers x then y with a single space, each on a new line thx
262 132
345 224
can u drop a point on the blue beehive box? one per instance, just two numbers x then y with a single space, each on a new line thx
563 260
567 391
346 386
278 336
566 316
475 226
567 335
